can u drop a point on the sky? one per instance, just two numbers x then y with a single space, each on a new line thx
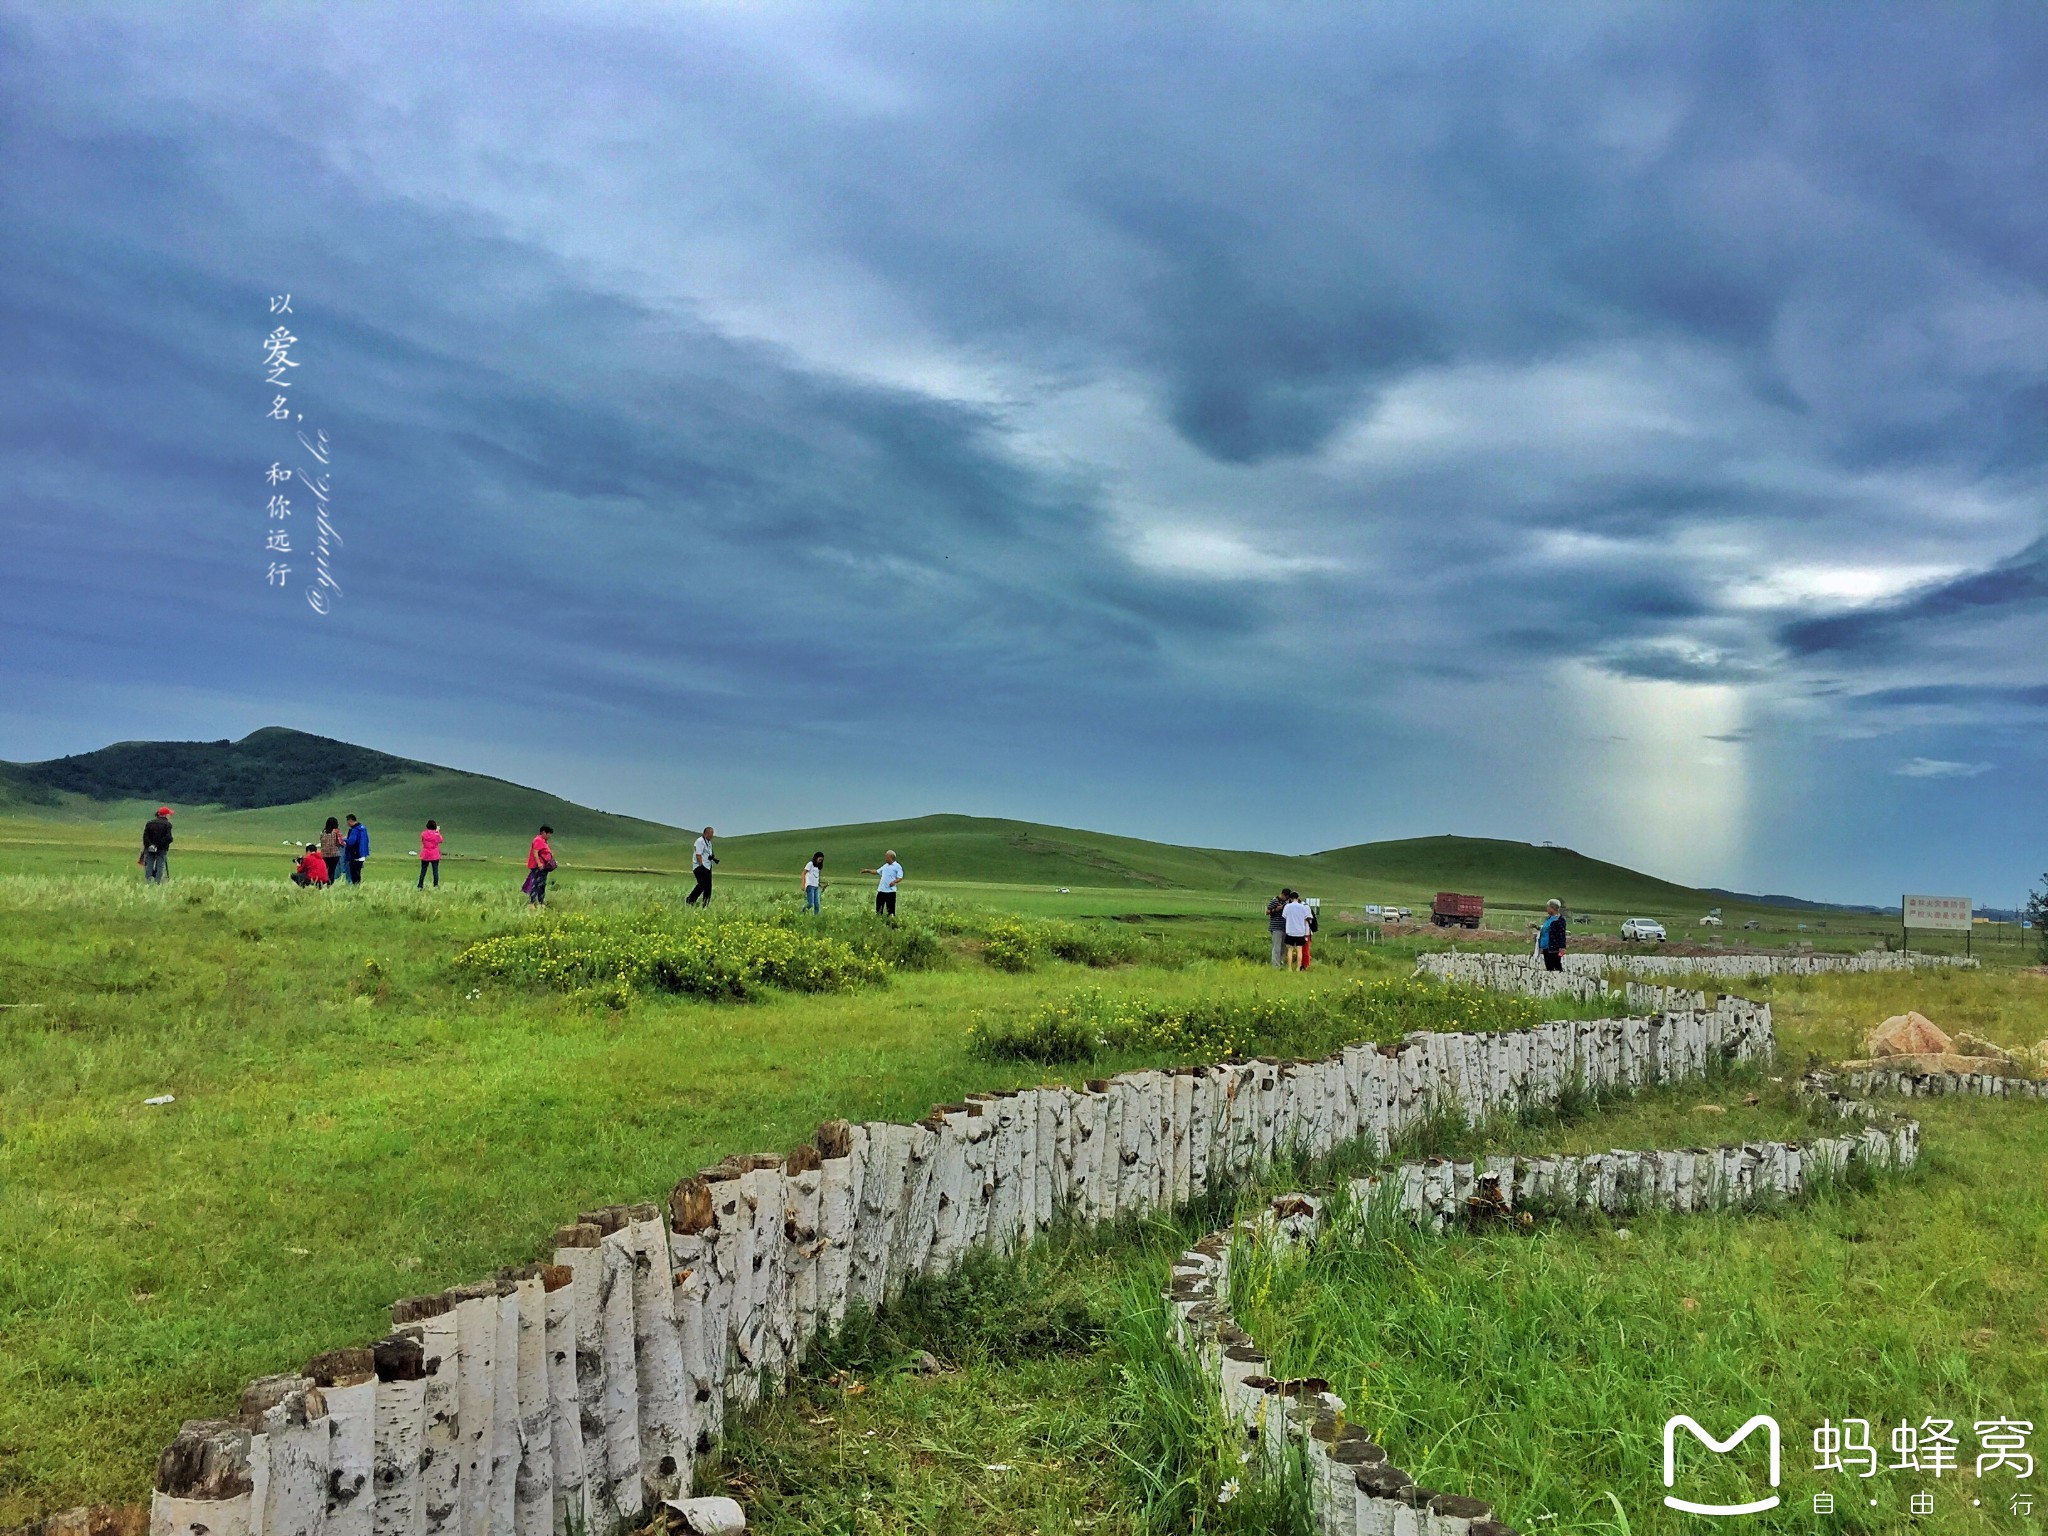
1257 426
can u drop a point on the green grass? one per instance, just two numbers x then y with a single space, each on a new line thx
1537 1371
60 831
1038 1394
358 1119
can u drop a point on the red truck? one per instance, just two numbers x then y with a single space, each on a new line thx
1451 910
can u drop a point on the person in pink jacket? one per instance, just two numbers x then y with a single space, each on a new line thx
430 855
540 861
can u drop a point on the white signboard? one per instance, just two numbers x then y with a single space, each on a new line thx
1950 912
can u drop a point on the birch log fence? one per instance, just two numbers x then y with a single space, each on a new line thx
1354 1487
1585 976
575 1393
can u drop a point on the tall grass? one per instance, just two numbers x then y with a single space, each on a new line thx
1537 1371
1306 1022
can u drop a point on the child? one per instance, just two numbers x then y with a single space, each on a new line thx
814 879
540 860
311 869
430 855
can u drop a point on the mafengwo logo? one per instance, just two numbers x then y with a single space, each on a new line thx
1720 1447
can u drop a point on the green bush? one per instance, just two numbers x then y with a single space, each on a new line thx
731 957
1094 946
1012 946
1308 1024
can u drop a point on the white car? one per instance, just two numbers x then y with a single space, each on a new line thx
1710 921
1639 929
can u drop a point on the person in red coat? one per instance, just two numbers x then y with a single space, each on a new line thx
310 869
540 862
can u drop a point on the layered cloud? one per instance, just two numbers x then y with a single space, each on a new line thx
1071 414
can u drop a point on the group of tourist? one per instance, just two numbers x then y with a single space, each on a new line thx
888 874
341 852
1292 920
340 855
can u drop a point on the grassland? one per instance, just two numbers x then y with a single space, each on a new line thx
79 814
1538 1371
358 1118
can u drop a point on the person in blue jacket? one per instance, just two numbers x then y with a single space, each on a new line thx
355 848
1550 937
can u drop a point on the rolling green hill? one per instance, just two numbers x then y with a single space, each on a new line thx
278 785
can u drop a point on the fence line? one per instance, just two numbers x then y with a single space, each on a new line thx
575 1393
1353 1484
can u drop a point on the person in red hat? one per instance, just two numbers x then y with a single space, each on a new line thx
156 847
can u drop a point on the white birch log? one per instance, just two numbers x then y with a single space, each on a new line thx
772 1296
1201 1130
720 1287
1084 1174
1028 1117
743 1319
476 1323
1045 1154
881 1192
290 1415
835 1220
204 1485
432 1320
666 1396
980 1180
577 1250
1181 1137
533 1480
619 1492
1141 1143
1004 1201
691 1222
911 1252
347 1379
803 1175
399 1436
505 1450
951 1175
569 1508
1060 1099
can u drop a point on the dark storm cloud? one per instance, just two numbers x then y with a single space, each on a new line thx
2019 584
1005 379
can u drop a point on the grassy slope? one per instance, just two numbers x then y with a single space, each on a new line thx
482 817
1537 1371
491 818
345 1134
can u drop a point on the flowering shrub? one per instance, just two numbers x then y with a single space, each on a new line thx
1093 1021
706 958
1012 946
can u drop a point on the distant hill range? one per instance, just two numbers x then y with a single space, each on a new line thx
273 766
278 784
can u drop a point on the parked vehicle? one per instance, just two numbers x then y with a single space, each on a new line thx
1404 914
1711 921
1753 923
1453 910
1643 930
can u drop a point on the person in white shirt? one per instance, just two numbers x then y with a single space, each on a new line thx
891 876
701 860
814 879
1299 919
